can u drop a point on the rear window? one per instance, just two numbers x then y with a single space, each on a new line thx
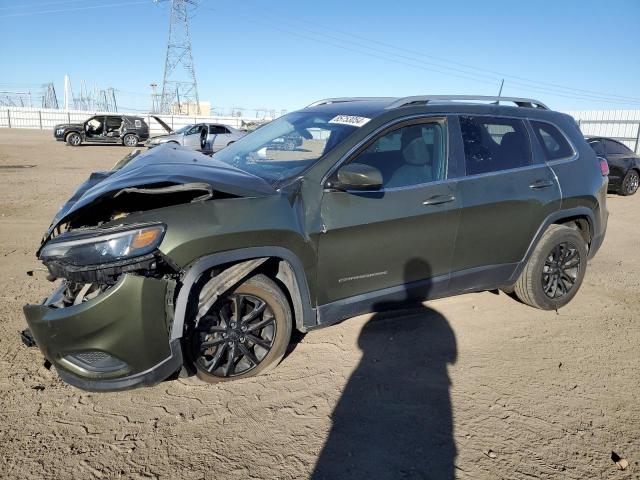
615 148
554 143
492 144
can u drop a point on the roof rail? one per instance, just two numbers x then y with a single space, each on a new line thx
346 99
520 102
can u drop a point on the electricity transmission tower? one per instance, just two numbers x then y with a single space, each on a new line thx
49 98
179 86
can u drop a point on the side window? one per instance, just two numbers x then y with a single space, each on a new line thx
193 130
217 130
554 144
492 144
410 155
113 123
598 147
616 148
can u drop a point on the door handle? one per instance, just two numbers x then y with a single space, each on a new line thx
439 199
541 184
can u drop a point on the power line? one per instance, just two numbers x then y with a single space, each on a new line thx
492 79
416 63
75 9
38 5
443 60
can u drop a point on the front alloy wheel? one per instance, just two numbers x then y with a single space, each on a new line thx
74 139
245 333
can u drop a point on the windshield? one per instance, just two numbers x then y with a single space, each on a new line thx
285 147
183 129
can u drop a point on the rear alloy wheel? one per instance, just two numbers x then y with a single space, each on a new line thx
74 139
554 273
244 334
130 140
630 183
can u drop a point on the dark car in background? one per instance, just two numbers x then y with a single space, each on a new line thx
624 164
178 260
118 129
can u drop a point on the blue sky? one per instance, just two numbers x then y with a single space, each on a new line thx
285 54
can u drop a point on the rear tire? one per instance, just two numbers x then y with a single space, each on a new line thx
130 140
554 273
630 183
73 139
226 346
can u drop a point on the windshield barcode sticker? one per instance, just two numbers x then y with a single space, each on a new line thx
352 120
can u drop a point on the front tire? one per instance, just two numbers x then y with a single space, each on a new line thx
554 273
130 140
245 333
74 139
630 183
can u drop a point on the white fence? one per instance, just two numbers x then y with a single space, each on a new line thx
623 125
46 119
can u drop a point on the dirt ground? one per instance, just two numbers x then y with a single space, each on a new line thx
479 385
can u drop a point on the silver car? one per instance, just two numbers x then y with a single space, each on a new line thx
207 137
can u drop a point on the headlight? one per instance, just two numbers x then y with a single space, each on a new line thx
107 248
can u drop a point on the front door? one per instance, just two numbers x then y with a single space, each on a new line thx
506 195
191 137
400 234
94 129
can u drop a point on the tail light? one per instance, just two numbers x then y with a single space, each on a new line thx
604 166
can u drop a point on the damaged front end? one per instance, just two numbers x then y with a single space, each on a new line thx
107 325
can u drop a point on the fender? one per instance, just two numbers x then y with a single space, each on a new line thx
551 219
305 313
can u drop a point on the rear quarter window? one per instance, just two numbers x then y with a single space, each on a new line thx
553 142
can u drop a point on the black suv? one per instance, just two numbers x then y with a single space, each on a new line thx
178 259
122 129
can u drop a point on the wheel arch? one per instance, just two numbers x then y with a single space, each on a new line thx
286 268
581 218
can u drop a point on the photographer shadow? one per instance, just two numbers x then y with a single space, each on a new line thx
394 419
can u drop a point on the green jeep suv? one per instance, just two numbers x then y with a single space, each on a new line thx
176 261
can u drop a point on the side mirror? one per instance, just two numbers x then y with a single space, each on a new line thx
357 176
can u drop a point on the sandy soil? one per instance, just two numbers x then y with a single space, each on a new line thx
478 385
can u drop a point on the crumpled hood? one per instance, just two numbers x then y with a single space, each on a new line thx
68 125
164 164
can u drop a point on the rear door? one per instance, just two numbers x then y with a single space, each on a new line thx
219 136
113 126
400 234
506 194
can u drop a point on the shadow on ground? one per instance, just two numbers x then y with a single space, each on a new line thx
394 419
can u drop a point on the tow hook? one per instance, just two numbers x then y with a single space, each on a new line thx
27 338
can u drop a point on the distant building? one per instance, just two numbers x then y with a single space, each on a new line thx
191 108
